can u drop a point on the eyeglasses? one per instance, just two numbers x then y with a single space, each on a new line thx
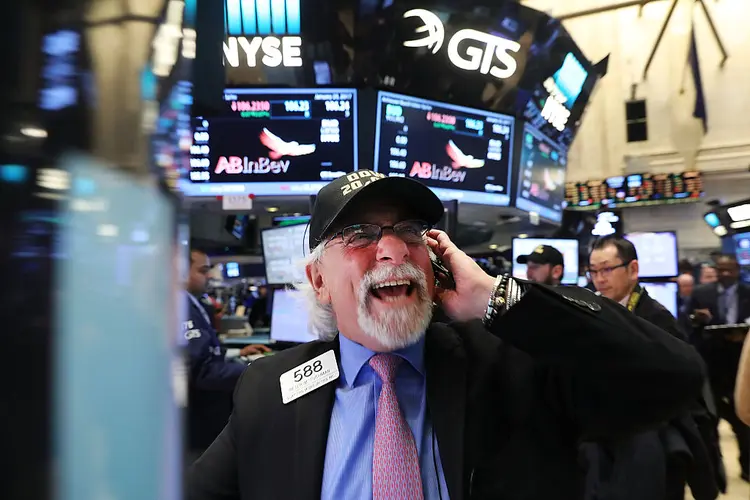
605 272
363 235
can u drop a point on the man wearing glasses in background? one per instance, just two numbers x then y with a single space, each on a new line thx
613 269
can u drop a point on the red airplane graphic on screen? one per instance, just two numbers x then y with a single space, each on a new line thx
279 147
461 160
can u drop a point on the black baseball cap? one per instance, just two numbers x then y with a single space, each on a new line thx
543 254
335 196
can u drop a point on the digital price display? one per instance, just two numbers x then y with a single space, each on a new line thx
541 177
461 153
274 142
635 190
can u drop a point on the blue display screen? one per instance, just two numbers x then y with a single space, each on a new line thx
570 79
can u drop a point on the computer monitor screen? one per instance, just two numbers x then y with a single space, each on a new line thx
663 293
541 175
236 225
568 248
742 248
461 153
232 270
289 319
284 249
274 142
289 220
657 253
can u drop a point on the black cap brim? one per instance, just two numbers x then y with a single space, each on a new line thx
418 199
525 259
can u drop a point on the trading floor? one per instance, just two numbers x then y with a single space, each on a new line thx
738 489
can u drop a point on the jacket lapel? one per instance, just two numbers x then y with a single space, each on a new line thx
312 419
445 362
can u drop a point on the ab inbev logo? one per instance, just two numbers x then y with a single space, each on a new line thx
265 32
274 163
468 49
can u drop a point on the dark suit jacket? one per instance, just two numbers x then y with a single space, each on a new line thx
722 357
707 297
211 381
663 460
508 409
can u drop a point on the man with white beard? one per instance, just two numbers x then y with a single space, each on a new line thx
387 405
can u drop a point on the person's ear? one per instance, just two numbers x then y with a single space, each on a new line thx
315 278
557 272
634 268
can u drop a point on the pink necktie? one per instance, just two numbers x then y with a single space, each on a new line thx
395 464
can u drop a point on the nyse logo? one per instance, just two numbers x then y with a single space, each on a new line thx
468 49
425 170
265 32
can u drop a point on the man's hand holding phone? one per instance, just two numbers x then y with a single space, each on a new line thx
468 299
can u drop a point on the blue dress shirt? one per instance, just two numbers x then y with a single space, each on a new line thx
728 304
348 462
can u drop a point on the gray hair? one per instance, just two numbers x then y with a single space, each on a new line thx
322 320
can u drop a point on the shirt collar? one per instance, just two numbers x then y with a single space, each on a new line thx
728 290
354 356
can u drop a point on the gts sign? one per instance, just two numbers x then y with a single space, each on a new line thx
468 49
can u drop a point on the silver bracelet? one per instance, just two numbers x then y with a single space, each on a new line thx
489 314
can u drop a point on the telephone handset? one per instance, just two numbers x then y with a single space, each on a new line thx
443 277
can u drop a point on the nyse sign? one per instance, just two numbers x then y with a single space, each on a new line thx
468 49
268 51
263 33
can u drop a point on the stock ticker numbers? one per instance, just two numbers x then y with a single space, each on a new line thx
296 135
635 190
467 150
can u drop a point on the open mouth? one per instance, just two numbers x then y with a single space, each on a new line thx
392 290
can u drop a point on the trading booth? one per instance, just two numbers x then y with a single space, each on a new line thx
478 101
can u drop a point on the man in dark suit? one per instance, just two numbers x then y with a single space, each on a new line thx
211 378
725 302
491 406
655 457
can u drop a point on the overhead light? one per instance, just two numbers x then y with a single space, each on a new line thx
740 224
712 219
493 247
107 230
36 132
523 235
272 209
738 213
720 231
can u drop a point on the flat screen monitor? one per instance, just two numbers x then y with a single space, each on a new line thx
742 248
284 249
289 220
665 294
541 175
236 225
461 153
289 319
657 253
568 248
274 142
232 270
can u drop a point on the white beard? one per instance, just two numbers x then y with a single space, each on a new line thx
395 328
